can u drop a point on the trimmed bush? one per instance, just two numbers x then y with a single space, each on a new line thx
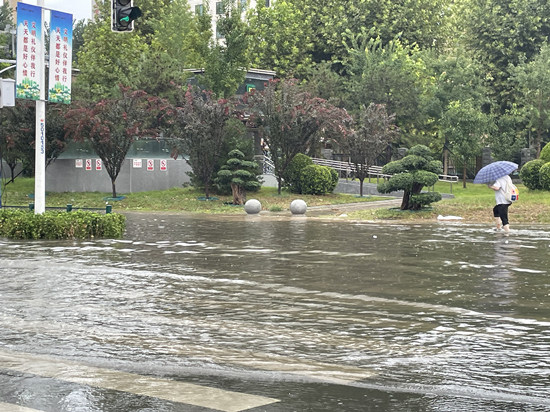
293 173
24 224
545 153
529 174
317 180
544 176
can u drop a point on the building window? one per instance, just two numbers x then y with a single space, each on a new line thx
219 7
267 3
199 9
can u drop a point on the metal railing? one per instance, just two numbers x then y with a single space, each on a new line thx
375 171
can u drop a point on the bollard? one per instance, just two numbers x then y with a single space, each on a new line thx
69 208
108 209
31 206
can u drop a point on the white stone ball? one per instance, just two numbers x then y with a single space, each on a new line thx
252 206
298 207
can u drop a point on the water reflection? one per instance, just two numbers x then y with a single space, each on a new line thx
450 310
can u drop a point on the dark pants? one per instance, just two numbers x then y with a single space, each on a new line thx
502 212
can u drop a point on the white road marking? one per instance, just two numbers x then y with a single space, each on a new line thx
167 389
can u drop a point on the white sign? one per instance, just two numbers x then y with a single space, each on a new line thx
79 163
150 165
163 165
88 164
7 92
98 164
137 164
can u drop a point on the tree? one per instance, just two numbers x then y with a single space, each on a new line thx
226 61
501 33
240 174
112 125
411 174
280 39
375 131
196 126
533 80
391 74
291 121
18 137
465 127
107 59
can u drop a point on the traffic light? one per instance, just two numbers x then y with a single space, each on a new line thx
123 14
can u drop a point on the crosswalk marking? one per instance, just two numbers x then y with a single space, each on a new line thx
9 407
174 391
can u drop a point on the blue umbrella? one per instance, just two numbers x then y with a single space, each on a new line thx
495 170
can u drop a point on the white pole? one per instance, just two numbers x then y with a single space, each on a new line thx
40 145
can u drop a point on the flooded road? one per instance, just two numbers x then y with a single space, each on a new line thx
192 313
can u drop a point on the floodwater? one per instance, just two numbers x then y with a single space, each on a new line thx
256 313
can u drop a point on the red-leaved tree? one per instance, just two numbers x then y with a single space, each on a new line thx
112 125
291 121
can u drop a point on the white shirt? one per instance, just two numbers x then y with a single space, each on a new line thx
502 184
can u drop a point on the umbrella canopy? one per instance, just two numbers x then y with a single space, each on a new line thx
495 170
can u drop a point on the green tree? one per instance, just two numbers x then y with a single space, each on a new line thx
112 125
107 59
280 39
465 128
291 121
374 132
410 174
240 174
226 61
197 127
533 81
393 75
426 23
501 33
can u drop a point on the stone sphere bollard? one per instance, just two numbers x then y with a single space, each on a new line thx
252 206
298 207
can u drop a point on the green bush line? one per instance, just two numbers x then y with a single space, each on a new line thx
24 224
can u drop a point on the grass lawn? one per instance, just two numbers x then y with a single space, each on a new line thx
171 200
473 203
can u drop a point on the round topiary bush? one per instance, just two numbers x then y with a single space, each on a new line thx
529 174
544 176
293 173
317 180
545 153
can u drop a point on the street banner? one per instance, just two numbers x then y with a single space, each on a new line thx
29 52
61 52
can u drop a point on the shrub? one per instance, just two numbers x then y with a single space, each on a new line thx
293 173
317 180
24 224
545 153
530 172
544 176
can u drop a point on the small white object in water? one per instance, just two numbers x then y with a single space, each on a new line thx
374 237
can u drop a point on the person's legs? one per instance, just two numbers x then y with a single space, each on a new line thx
503 212
496 214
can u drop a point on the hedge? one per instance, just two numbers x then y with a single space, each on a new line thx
24 224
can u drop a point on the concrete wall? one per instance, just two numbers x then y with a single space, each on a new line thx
63 176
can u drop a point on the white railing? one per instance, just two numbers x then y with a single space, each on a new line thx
375 171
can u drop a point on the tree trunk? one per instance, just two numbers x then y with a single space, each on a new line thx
405 202
361 180
113 187
279 185
239 194
464 175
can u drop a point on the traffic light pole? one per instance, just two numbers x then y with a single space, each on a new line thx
40 134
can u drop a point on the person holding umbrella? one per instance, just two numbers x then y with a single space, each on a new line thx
496 175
